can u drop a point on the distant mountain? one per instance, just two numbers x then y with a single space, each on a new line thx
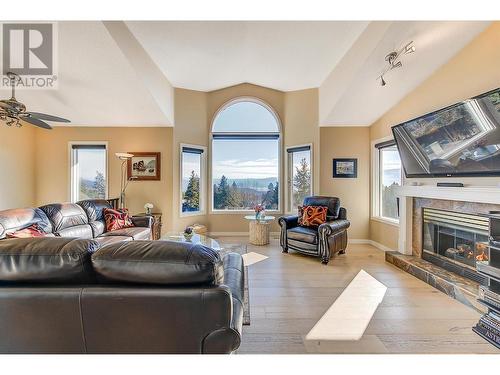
259 184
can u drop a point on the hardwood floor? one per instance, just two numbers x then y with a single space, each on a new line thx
289 293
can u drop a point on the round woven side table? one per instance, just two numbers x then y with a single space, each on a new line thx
259 229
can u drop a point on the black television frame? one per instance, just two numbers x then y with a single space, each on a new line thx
434 175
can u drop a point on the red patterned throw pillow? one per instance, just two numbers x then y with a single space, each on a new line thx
32 231
313 216
117 219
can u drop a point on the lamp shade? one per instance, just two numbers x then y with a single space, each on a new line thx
123 155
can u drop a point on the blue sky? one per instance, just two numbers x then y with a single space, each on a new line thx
90 161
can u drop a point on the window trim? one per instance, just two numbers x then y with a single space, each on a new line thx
375 181
288 198
210 189
71 175
203 179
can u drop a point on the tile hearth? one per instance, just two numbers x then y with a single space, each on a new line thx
455 286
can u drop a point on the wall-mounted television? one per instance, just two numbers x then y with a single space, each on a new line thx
460 140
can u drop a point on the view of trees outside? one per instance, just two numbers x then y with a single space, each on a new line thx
191 171
390 178
301 177
95 189
91 172
239 195
245 173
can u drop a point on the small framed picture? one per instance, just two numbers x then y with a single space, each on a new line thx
144 166
345 168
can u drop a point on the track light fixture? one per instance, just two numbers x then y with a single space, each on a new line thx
393 60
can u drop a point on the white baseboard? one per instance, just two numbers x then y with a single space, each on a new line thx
370 242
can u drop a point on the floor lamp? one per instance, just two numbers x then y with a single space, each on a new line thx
124 157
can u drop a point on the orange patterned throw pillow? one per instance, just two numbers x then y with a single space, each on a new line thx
117 219
313 216
32 231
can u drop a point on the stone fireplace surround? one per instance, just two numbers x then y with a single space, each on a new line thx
409 255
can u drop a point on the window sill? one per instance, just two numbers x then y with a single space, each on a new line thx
190 214
241 212
385 220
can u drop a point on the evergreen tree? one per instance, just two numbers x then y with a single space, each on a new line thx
276 196
222 195
192 194
234 198
99 186
302 181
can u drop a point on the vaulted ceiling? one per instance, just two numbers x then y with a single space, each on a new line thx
123 73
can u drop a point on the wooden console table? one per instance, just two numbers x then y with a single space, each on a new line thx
156 228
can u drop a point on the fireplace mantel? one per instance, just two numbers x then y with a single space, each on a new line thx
406 193
478 194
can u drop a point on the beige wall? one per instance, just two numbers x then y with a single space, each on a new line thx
354 193
53 174
301 126
17 166
474 70
190 128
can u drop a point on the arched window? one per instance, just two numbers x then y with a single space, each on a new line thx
245 156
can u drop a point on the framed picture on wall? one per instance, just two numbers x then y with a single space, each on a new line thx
345 168
144 166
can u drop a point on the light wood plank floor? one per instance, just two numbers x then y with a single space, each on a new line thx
290 292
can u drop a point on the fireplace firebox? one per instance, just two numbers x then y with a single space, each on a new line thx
455 241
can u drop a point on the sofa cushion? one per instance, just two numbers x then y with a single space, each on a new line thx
107 240
65 215
94 208
159 262
332 203
46 260
303 234
136 233
117 219
20 218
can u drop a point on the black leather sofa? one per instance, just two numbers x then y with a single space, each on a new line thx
84 219
324 241
67 295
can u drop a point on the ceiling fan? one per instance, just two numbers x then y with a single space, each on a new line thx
13 112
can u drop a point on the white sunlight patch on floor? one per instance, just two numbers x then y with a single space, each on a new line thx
350 314
252 258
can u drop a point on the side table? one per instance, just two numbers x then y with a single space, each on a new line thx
156 228
259 229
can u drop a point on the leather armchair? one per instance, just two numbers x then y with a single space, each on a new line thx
324 241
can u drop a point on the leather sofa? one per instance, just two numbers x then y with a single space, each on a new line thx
67 295
84 219
322 241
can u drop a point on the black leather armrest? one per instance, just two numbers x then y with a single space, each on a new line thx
288 222
335 226
142 221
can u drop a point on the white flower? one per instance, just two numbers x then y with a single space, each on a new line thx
148 205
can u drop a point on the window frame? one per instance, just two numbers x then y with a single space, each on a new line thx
212 210
376 213
288 174
72 193
203 179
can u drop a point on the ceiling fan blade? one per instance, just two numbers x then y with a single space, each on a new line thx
36 122
43 116
6 106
